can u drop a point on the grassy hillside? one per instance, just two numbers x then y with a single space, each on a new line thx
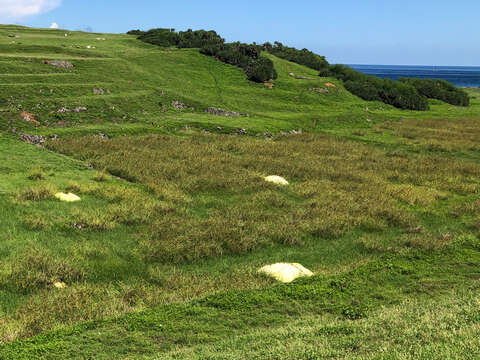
160 256
137 74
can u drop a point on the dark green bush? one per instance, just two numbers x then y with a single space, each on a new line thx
367 89
160 37
247 57
182 39
370 88
402 96
439 89
261 70
198 39
302 57
136 32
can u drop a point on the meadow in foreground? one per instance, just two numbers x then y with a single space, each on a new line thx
193 201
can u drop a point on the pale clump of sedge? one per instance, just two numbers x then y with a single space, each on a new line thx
285 272
67 197
276 180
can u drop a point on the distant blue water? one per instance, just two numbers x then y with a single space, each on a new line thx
457 75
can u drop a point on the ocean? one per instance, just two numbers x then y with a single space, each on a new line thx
465 76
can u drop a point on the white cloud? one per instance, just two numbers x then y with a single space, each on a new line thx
18 9
54 25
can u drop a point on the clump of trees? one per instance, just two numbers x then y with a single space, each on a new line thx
136 32
398 94
181 39
439 89
302 57
246 56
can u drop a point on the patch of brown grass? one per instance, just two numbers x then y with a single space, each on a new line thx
37 193
36 269
437 134
209 197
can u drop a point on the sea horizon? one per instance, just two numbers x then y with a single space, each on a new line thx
462 76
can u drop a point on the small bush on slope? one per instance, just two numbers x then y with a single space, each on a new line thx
136 32
303 57
248 57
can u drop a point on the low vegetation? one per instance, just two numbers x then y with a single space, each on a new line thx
248 57
440 90
399 94
319 203
181 39
303 57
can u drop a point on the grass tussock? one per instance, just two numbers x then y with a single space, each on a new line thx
66 306
36 174
35 269
93 221
101 177
35 222
37 193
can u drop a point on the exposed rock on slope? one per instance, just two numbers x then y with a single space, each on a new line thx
221 112
59 64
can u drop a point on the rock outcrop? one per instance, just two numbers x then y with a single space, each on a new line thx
221 112
59 64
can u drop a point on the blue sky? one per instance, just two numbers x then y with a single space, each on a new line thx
421 32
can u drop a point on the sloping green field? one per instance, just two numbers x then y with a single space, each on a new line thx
159 259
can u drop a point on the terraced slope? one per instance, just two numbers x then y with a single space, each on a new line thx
141 81
159 259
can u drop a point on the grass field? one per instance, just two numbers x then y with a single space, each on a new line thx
160 256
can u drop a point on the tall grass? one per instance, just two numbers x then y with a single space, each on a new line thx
335 189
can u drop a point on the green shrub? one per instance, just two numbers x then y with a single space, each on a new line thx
402 96
136 32
370 88
439 89
198 38
261 70
247 57
302 57
160 37
182 39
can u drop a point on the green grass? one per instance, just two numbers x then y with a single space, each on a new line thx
160 256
